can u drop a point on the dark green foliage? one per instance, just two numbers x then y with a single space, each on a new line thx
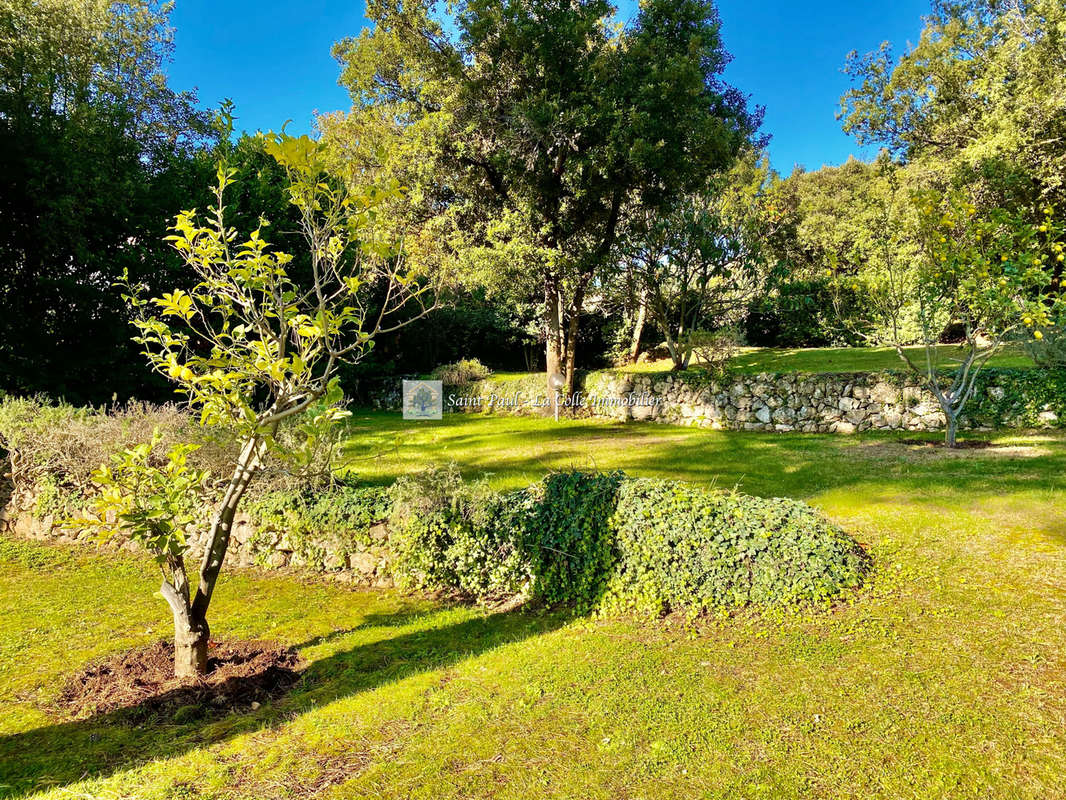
446 534
802 314
588 540
96 152
681 548
77 207
568 537
1017 397
499 333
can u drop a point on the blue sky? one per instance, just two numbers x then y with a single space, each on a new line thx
272 57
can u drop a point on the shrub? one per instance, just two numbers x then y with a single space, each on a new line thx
1049 351
590 540
53 448
681 548
461 373
713 350
447 534
56 447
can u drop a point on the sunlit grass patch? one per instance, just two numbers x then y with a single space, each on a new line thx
943 677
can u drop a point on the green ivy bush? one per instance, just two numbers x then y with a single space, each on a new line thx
567 537
603 540
450 535
681 548
343 513
1016 397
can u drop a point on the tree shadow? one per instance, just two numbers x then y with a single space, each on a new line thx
58 755
799 465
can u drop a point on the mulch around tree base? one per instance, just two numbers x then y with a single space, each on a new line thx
142 681
968 444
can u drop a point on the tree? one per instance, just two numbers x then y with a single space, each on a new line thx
96 152
528 135
990 273
251 347
698 268
978 99
829 235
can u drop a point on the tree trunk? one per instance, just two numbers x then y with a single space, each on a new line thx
674 349
554 346
952 429
190 647
191 631
190 636
571 353
638 330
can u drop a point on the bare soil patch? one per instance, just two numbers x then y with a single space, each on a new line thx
141 681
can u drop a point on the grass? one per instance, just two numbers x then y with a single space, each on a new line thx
840 359
944 678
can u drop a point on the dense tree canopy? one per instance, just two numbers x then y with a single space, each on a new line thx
96 152
537 127
982 96
529 144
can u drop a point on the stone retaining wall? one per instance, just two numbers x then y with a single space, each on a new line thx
822 403
362 560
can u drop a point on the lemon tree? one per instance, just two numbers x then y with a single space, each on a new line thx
989 274
253 344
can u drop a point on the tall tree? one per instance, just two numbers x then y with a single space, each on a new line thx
981 97
96 152
528 134
698 268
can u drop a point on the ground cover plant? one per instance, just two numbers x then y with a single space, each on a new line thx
602 540
943 677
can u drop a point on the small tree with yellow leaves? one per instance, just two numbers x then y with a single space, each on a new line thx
990 273
252 346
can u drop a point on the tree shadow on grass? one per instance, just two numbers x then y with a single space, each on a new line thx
58 755
799 465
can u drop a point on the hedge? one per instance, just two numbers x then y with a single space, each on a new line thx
601 540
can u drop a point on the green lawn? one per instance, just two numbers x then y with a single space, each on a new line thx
841 359
945 678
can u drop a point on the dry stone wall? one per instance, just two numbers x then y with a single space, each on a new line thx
362 558
804 402
795 402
